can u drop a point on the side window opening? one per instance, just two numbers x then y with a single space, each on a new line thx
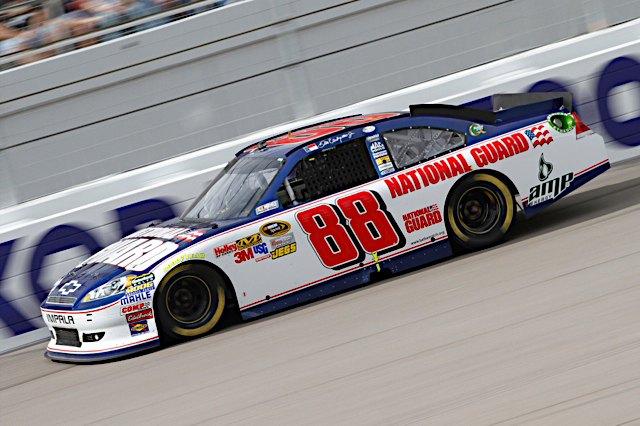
414 145
326 172
293 191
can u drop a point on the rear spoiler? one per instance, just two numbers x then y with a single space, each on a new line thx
504 101
507 107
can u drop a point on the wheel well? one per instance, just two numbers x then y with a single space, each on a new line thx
490 172
234 298
495 173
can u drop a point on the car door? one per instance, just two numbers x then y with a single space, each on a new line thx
339 219
311 241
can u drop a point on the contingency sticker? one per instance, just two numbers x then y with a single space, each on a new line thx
139 328
267 207
380 155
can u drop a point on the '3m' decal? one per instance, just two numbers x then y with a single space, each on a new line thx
342 234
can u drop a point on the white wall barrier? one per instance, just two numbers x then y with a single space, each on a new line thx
41 240
215 76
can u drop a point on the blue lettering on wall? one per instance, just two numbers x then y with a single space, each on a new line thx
616 73
553 86
620 71
16 322
547 86
145 211
60 238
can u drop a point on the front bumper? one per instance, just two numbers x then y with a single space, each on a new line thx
73 331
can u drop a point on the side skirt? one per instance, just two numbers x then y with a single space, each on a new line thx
398 263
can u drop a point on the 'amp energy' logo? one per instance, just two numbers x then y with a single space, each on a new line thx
548 190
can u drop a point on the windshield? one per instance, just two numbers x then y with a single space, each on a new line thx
236 191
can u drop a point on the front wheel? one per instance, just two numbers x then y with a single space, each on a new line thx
190 301
480 212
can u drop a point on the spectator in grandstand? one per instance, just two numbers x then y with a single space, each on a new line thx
88 15
29 24
24 29
13 19
100 14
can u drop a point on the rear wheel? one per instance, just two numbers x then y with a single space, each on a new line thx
480 212
190 301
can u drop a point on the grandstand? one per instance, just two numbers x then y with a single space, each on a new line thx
29 25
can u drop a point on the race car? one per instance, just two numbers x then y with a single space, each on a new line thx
321 209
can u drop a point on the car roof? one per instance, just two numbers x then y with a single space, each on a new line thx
282 145
520 109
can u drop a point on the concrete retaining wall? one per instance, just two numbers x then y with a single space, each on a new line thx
212 77
42 239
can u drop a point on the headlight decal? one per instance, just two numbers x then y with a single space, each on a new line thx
109 289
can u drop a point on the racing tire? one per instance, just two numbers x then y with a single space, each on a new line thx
480 212
190 301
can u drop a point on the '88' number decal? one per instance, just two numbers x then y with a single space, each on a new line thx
342 234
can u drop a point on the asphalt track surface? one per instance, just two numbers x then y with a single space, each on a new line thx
543 329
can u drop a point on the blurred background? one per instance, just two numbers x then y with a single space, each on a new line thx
196 77
31 24
114 113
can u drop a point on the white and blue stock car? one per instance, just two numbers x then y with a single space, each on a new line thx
319 210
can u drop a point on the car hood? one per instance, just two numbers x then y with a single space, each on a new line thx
72 288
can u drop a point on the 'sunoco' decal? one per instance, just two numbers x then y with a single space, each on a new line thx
139 328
